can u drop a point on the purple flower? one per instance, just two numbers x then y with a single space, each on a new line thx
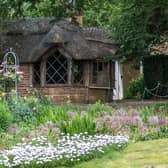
127 120
40 128
56 130
114 124
162 121
70 114
136 121
143 129
107 118
49 124
118 112
154 120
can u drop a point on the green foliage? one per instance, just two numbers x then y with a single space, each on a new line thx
159 109
78 124
54 113
138 24
98 13
97 108
43 8
135 89
68 118
29 108
26 8
21 111
5 117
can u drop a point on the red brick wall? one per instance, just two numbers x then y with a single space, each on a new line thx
63 94
59 94
104 95
25 82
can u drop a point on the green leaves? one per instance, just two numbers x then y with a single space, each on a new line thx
138 24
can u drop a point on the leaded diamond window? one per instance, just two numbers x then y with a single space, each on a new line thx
56 69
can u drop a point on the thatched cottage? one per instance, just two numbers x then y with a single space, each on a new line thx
61 59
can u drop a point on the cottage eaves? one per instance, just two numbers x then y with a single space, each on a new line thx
32 38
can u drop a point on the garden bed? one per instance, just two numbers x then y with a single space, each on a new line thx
35 133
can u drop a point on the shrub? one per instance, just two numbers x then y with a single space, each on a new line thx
22 112
135 89
5 117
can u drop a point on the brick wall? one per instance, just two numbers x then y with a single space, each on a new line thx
25 82
59 94
62 94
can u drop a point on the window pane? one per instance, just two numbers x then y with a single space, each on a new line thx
56 69
94 73
78 72
100 74
36 73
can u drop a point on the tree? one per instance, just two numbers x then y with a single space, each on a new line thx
10 9
138 24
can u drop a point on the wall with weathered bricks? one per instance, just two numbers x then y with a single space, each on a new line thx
25 82
59 94
76 94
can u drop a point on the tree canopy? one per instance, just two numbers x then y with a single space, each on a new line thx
139 24
135 24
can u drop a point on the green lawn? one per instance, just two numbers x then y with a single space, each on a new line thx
136 155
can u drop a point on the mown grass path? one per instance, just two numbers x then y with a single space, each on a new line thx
136 155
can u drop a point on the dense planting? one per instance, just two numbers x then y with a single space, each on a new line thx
35 132
70 148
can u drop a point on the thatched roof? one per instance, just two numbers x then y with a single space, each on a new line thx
32 38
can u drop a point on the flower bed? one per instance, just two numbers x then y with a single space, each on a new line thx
70 148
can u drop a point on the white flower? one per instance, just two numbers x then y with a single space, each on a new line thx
69 147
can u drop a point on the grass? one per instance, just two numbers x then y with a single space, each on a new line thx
136 155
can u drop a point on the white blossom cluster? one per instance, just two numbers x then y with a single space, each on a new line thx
68 147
